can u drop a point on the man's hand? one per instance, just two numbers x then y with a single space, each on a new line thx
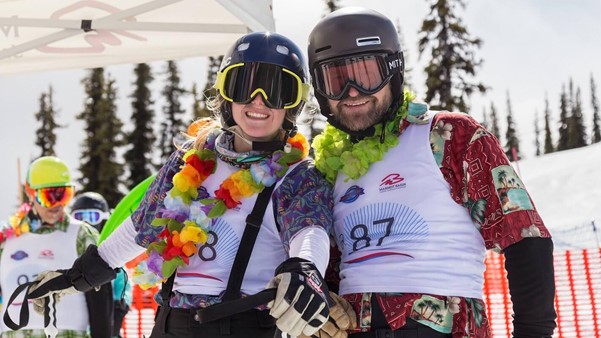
342 318
42 279
300 305
88 271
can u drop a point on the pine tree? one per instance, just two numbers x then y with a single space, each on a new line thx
576 129
536 135
200 105
494 122
111 169
141 139
46 133
596 133
512 145
99 167
310 115
91 115
332 5
197 102
173 120
485 123
562 142
548 138
453 57
408 70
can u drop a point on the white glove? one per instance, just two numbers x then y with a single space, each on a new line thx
300 305
43 278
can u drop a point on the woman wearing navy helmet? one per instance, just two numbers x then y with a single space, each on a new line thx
236 210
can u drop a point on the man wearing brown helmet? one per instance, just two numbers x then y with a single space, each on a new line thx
417 197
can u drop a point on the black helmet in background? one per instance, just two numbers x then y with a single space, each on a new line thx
282 78
91 207
344 36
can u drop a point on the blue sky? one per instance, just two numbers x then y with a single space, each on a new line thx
530 48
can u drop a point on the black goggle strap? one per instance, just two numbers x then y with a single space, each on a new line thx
394 63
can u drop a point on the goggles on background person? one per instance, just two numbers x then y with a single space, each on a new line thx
368 73
90 216
54 196
280 87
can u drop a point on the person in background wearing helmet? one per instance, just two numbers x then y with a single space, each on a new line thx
92 208
248 176
417 197
42 236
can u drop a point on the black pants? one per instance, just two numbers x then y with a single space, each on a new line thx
180 323
121 310
381 329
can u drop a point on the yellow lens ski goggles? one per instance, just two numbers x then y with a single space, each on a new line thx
281 88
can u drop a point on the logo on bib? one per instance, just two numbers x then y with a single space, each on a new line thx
352 194
47 254
19 255
392 182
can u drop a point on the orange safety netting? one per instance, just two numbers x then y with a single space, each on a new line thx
578 298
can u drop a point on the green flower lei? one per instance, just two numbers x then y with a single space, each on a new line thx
334 150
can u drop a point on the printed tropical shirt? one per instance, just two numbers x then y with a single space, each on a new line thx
482 180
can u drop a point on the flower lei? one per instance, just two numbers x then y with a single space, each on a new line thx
187 215
335 152
16 227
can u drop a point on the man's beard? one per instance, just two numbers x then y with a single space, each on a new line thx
373 112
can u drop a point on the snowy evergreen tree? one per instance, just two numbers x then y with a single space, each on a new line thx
453 61
494 122
141 139
101 172
548 147
512 145
537 151
199 105
46 133
408 69
172 121
562 142
332 5
576 129
596 132
484 122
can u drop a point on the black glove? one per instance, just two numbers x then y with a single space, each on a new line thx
89 272
300 305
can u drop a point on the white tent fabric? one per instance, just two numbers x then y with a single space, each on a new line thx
40 35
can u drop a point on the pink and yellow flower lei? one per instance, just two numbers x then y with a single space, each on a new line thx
187 219
15 226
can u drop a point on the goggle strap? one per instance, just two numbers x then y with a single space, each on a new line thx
394 63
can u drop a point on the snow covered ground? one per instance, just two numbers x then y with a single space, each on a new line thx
566 189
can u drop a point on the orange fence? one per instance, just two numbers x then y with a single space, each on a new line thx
578 298
140 318
577 301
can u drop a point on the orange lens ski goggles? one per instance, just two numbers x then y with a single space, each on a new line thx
54 196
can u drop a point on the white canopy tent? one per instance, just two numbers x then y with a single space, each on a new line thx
40 35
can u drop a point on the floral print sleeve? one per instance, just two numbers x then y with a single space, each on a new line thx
304 199
481 178
153 200
87 236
